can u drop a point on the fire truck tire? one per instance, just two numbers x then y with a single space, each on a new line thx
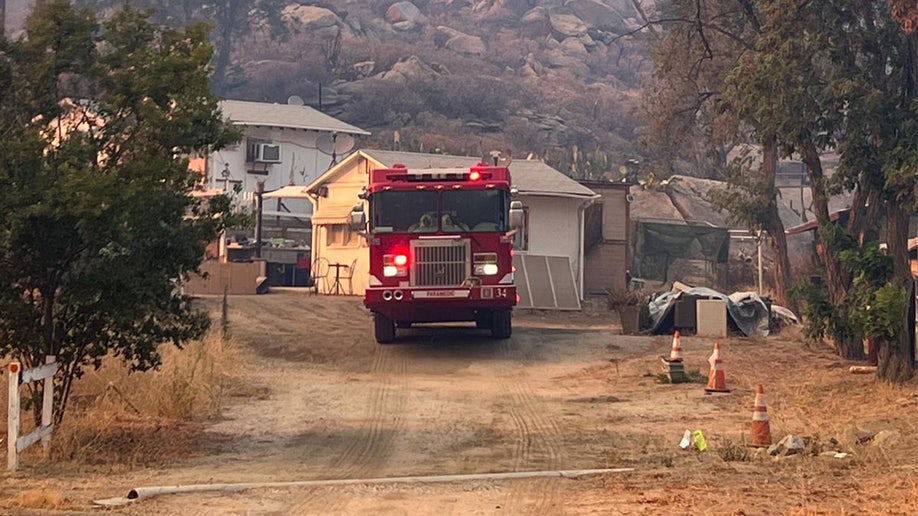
501 326
384 328
483 320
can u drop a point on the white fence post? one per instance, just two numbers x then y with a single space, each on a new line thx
12 419
15 443
47 406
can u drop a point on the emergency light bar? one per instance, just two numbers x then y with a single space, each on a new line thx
476 173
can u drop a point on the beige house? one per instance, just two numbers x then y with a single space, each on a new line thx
554 205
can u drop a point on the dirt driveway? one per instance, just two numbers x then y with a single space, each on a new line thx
441 401
317 398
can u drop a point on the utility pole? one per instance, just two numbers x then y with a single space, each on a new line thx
2 18
259 191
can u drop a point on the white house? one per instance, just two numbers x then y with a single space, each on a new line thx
554 205
283 144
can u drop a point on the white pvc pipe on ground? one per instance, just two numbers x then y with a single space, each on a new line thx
147 492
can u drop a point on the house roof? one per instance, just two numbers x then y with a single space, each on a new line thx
287 192
530 177
814 224
289 116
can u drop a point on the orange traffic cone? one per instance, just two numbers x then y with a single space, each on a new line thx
761 431
716 380
675 355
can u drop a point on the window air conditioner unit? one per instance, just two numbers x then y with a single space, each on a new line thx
267 153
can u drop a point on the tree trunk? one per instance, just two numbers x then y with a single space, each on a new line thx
896 361
865 211
837 278
774 226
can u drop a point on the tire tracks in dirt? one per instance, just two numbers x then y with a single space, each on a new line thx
374 441
538 444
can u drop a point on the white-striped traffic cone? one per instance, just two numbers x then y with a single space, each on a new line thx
675 355
761 430
717 381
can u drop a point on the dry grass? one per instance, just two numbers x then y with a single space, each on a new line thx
123 419
39 499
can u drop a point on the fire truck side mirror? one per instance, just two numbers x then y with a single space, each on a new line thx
516 214
357 219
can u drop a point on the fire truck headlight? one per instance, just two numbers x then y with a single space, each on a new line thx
390 271
486 269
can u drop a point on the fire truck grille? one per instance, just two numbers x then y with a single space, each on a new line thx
440 264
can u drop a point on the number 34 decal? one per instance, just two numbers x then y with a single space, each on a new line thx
500 292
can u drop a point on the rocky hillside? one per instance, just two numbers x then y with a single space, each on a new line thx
558 79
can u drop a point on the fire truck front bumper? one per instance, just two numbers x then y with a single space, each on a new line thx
437 304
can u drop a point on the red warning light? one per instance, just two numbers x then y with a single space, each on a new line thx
14 367
475 176
400 259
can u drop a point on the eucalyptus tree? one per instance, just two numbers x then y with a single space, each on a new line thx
839 75
702 43
96 220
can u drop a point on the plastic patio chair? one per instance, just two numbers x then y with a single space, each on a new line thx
319 273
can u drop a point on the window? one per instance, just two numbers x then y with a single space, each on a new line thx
429 211
476 210
396 211
521 241
340 235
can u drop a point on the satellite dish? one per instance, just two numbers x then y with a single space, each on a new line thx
326 143
334 143
343 143
295 100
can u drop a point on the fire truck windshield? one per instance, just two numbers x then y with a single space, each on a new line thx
430 211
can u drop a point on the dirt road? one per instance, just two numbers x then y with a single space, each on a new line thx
442 401
314 397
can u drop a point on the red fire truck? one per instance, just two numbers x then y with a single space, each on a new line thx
441 245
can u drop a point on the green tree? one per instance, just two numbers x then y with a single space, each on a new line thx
702 43
840 75
95 229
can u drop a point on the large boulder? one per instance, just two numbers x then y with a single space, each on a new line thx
465 44
311 17
624 7
596 14
565 23
403 12
558 58
409 70
534 24
500 8
444 34
573 47
458 41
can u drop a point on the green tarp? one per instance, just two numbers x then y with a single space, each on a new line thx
657 244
